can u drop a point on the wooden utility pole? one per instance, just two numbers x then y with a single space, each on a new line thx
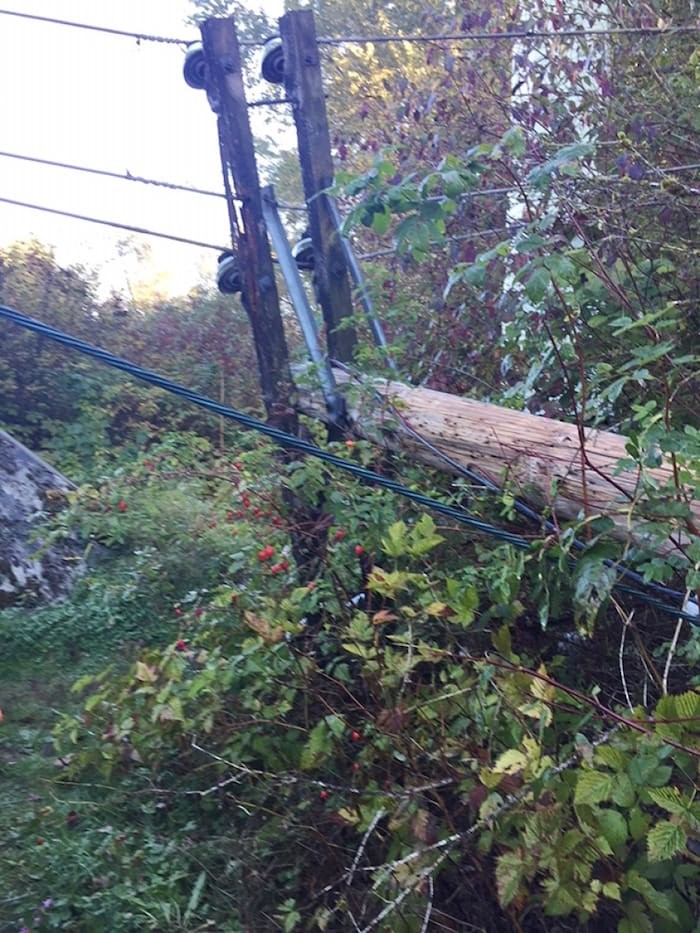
548 463
226 94
304 87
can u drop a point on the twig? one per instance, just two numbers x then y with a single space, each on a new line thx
429 906
393 905
360 851
626 619
674 640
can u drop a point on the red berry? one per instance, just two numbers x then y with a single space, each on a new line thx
238 465
122 506
284 565
359 550
181 645
339 535
356 766
324 795
178 611
349 444
355 736
198 613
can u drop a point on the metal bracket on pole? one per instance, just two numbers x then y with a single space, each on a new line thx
335 403
375 324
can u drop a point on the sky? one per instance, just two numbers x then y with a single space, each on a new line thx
108 102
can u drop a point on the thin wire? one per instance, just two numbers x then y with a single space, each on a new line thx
296 443
247 421
113 223
514 36
139 36
509 36
447 240
123 177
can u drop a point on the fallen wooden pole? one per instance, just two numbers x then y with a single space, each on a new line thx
572 473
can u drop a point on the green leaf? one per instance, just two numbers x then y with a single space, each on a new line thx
537 285
612 890
594 787
423 537
639 823
394 545
638 920
381 221
645 769
613 826
318 746
665 840
669 798
623 791
658 901
195 896
612 757
530 243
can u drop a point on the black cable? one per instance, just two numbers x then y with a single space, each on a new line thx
517 35
127 176
295 443
514 36
139 36
113 223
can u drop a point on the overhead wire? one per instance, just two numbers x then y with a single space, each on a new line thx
515 35
139 36
122 176
510 36
295 443
113 223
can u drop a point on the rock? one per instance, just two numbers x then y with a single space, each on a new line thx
29 490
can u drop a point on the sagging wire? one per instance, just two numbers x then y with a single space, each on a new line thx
291 442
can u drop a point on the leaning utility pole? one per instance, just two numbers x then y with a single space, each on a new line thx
304 87
226 93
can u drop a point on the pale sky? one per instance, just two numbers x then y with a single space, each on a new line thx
104 101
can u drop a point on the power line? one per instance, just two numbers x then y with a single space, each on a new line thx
139 36
515 36
448 239
123 177
295 443
113 223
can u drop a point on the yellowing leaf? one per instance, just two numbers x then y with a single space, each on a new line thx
438 609
510 762
268 633
384 616
146 673
540 688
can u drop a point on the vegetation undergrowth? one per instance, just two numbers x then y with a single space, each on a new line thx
408 712
302 704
